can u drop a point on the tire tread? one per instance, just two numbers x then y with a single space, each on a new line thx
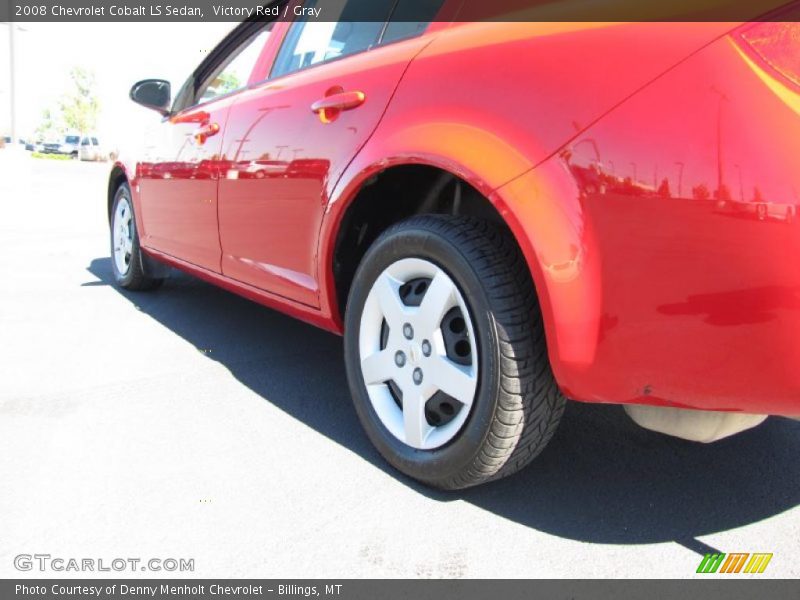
529 403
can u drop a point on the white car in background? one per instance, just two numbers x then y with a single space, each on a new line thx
90 149
68 144
82 146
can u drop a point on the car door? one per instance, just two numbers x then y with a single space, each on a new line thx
290 138
178 178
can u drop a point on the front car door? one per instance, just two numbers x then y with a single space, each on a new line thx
179 175
291 137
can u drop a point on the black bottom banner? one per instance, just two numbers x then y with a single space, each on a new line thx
391 589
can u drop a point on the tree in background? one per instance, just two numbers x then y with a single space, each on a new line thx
49 128
223 84
230 82
76 111
79 106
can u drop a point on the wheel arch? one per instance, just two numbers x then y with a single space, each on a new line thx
540 208
118 176
151 267
378 202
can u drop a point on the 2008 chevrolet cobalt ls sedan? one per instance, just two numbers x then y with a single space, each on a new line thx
496 216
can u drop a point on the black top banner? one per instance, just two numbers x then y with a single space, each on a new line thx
397 10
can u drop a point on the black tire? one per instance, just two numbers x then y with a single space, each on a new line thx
518 405
136 278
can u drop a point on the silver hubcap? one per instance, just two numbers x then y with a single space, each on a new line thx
122 232
418 354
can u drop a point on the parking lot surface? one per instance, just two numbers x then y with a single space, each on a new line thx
190 423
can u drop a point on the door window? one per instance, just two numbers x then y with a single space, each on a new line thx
403 23
312 42
234 72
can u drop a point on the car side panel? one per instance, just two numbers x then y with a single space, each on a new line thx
500 97
685 215
177 186
488 101
653 293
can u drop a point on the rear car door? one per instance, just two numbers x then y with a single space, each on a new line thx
289 139
178 180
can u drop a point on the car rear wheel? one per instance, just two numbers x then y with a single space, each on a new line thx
445 353
126 255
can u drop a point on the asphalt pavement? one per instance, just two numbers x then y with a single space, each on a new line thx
190 423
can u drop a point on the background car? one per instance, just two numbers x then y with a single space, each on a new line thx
68 144
90 149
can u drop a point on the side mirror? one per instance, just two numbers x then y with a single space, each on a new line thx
152 93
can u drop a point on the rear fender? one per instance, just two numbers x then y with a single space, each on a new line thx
542 208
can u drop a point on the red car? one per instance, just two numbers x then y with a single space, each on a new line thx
496 216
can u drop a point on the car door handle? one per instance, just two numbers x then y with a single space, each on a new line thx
339 101
205 132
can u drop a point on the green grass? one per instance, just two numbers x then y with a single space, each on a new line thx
51 156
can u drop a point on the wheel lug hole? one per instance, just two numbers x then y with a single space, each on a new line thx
408 331
400 358
417 376
426 348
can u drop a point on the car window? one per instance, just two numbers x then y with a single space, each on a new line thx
235 71
309 43
95 142
71 139
85 142
401 24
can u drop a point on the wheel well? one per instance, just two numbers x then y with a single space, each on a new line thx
393 196
116 178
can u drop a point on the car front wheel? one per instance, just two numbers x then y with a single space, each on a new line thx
445 352
126 254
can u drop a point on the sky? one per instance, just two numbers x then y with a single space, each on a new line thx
119 54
